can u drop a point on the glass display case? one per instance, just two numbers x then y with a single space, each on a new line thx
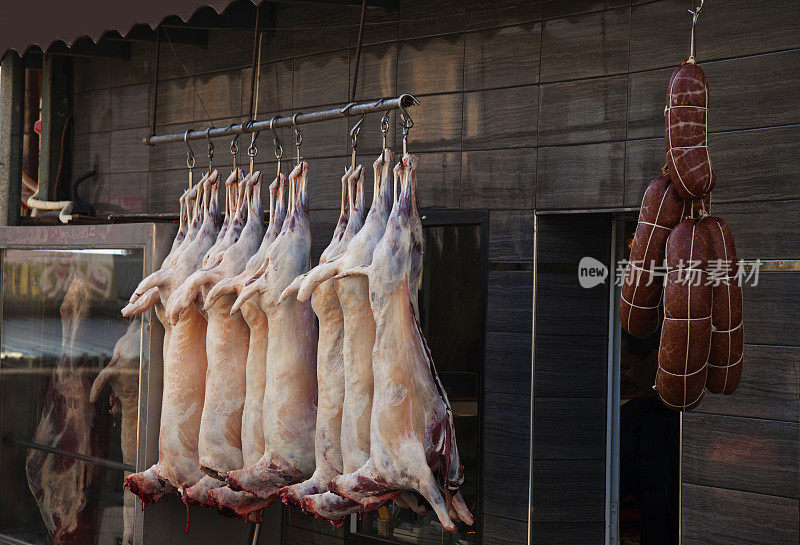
74 380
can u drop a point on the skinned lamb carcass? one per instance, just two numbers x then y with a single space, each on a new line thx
122 373
184 360
240 503
330 367
233 221
290 398
59 483
412 436
359 338
227 341
150 487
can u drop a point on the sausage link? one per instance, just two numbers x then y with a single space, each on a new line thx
643 282
686 132
686 332
727 335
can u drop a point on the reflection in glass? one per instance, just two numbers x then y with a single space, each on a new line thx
450 301
69 376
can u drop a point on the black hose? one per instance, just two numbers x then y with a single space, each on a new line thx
78 205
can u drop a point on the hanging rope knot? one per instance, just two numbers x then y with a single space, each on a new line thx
695 13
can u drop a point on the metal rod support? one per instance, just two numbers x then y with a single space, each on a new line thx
154 107
286 121
83 457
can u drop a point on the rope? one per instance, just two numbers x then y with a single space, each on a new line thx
188 75
358 49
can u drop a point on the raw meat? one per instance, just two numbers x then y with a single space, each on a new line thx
359 337
185 357
290 399
239 503
330 367
122 373
59 482
412 436
227 344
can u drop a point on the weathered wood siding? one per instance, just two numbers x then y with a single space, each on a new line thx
526 105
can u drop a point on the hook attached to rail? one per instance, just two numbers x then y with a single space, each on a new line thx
695 13
384 127
353 132
277 142
252 150
298 136
405 120
234 145
210 150
189 155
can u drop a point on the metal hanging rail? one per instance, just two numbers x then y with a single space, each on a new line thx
402 102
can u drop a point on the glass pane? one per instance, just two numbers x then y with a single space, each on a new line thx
648 437
450 310
69 394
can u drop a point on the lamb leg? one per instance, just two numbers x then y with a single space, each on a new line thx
148 485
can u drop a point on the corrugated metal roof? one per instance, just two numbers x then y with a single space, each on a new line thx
43 23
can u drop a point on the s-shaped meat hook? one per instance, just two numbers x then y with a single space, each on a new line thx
353 133
405 120
189 155
252 150
384 128
298 136
278 143
210 150
234 145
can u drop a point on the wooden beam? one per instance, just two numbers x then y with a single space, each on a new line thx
53 167
13 89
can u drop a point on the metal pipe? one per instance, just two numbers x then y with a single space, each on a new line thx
155 82
83 457
364 108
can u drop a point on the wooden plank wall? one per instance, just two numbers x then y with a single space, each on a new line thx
525 105
569 383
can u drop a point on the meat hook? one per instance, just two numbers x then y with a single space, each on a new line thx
298 136
210 150
695 13
234 145
405 120
346 109
354 139
252 150
384 126
277 141
189 155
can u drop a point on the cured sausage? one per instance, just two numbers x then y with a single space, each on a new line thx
662 209
686 333
686 132
727 336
